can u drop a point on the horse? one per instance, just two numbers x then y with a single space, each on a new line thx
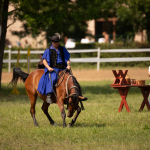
67 91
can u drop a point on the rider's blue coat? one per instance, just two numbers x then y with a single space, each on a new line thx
45 86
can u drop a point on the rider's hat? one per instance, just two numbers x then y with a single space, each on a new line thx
56 38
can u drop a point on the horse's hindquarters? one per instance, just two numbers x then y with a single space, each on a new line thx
31 83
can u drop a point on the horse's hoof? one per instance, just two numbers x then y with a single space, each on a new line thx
64 125
55 124
36 125
69 125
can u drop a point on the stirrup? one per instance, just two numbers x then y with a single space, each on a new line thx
48 99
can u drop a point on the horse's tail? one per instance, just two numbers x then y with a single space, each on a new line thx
18 73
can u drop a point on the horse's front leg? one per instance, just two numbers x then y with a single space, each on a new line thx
75 117
63 114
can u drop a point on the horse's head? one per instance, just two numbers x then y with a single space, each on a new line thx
73 102
73 92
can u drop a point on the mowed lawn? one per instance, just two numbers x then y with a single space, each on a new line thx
100 126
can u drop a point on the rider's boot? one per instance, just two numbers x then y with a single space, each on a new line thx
48 98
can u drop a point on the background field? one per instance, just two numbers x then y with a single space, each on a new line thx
99 126
94 75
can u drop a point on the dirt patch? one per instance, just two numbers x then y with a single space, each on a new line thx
94 75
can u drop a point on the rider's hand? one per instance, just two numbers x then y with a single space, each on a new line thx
50 69
68 67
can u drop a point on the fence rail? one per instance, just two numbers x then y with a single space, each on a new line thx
97 59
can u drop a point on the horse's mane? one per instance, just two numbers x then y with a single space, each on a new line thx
75 82
77 90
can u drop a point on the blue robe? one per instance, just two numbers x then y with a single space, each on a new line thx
45 86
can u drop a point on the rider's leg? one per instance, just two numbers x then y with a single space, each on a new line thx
52 81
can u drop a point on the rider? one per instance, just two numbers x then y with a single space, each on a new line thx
55 59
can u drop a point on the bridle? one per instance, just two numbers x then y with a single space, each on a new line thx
67 91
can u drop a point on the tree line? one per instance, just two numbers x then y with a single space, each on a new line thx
69 17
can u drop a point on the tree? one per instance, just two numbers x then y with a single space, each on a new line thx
3 22
135 14
39 15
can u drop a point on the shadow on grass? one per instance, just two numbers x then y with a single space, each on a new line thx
106 89
7 96
82 124
7 90
89 125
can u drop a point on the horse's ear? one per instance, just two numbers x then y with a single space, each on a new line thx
82 98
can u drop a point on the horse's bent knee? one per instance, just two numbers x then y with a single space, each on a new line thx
63 114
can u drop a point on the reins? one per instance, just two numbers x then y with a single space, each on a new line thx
70 88
67 91
59 76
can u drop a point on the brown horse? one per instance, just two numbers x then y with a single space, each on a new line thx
67 91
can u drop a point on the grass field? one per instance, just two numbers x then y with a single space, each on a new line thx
99 126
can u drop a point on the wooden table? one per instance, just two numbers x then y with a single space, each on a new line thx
123 88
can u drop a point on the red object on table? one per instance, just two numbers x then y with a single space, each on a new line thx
120 77
123 89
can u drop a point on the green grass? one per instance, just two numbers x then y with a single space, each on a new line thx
99 126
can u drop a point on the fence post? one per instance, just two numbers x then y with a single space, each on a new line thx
28 61
98 57
9 60
18 57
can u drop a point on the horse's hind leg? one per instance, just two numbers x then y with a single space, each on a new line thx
32 110
45 110
75 117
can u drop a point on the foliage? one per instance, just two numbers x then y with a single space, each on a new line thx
69 17
70 28
133 15
42 15
56 16
99 126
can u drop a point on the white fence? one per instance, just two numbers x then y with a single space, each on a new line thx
97 59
